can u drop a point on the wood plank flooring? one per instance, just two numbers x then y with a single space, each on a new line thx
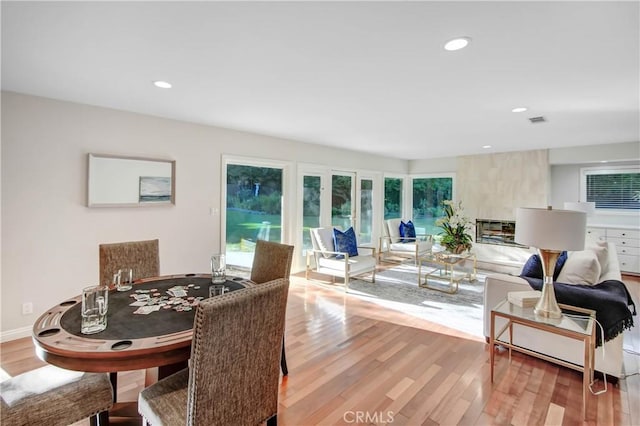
352 362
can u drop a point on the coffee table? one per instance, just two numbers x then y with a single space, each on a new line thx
448 266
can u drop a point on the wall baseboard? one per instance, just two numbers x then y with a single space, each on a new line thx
17 333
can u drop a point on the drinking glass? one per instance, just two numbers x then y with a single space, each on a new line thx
217 290
94 309
123 280
218 269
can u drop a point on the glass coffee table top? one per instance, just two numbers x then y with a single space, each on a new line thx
450 267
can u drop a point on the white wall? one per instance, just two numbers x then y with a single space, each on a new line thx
595 153
565 186
50 238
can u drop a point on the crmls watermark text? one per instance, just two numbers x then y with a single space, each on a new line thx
368 417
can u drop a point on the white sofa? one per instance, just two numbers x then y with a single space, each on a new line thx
498 285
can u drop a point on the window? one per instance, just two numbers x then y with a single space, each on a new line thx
612 188
392 198
428 195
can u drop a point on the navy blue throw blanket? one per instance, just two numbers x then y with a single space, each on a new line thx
610 299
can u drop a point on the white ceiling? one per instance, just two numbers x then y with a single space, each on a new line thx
368 76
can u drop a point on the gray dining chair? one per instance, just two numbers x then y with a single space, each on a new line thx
233 373
53 396
271 261
141 256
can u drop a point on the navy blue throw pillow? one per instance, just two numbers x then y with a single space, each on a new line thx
345 242
559 264
407 232
402 231
533 267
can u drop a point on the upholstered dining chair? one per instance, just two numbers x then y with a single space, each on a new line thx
233 373
53 396
141 256
272 261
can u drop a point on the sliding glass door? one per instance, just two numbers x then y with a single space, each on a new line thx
253 209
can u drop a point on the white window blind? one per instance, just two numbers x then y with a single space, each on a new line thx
612 188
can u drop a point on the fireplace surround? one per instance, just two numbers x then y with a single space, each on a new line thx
498 232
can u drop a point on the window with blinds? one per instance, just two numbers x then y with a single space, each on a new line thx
612 188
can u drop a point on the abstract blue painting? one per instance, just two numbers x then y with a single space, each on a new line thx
154 189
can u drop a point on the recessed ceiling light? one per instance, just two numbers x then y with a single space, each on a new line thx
457 43
486 146
603 161
162 84
519 109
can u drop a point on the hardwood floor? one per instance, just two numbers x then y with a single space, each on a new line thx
352 362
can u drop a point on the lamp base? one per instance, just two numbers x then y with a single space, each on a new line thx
547 306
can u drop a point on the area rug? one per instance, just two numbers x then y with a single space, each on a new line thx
397 288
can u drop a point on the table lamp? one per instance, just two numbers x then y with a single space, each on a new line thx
550 232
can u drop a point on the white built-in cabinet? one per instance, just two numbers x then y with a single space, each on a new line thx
627 243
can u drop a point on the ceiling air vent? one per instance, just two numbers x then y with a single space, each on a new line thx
539 119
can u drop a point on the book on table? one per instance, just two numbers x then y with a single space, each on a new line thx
526 299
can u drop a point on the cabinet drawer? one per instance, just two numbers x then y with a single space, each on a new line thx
623 233
597 233
629 263
624 242
631 251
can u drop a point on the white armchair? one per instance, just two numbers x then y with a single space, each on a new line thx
391 243
326 262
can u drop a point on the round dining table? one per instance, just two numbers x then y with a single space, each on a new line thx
131 341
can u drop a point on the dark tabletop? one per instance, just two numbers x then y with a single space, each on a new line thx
122 323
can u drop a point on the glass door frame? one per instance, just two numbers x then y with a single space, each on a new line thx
325 199
287 185
375 205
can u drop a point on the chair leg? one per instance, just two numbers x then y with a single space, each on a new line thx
273 420
100 419
113 377
283 361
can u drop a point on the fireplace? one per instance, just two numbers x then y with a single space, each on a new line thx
499 232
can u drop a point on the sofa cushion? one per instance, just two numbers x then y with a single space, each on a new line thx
324 238
345 242
393 229
357 265
581 267
601 249
423 246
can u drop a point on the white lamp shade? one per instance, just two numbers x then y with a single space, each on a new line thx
589 207
551 229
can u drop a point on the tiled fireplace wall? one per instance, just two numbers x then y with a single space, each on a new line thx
492 186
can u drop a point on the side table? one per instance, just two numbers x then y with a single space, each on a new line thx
576 323
443 265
